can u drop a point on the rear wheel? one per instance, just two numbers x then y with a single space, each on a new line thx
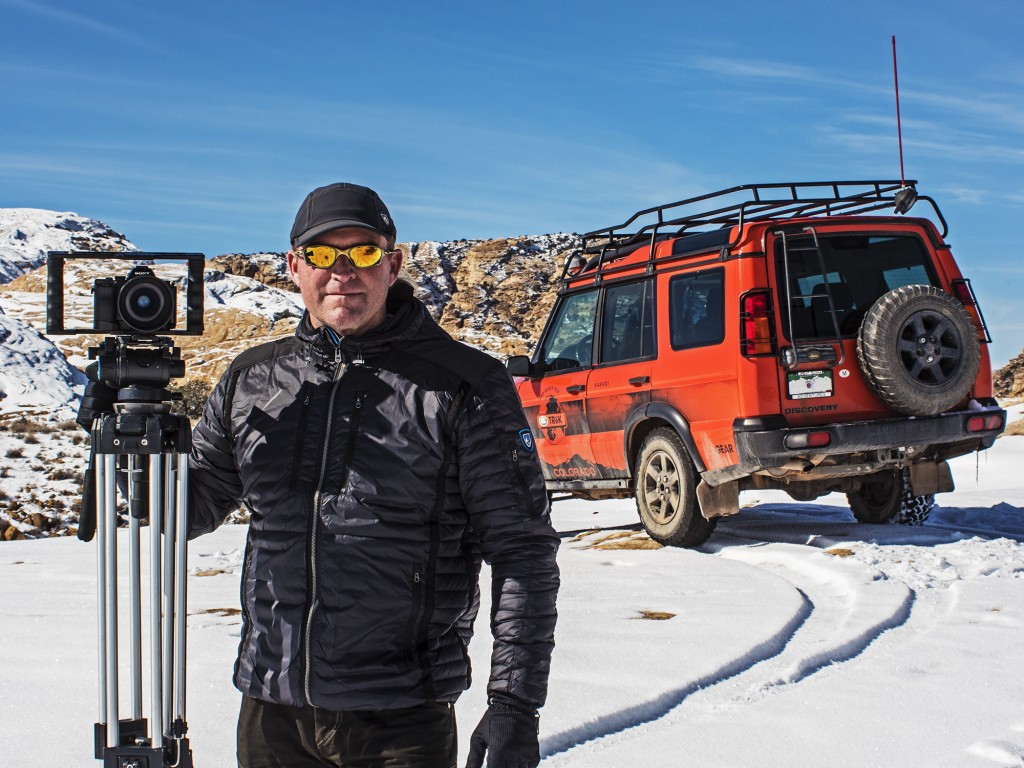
666 492
888 498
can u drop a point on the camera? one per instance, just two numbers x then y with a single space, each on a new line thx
139 304
140 310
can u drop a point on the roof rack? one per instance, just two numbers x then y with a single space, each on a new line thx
746 203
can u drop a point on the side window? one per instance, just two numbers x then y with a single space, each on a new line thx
570 339
696 309
627 325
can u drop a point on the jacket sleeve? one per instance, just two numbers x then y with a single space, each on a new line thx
214 487
503 489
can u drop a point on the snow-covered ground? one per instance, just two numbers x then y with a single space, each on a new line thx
795 637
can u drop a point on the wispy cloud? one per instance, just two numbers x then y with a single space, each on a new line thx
63 16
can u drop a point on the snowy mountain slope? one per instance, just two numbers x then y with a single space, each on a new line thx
35 377
26 234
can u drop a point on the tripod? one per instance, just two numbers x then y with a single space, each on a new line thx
153 445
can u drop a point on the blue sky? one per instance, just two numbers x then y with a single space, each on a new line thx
199 126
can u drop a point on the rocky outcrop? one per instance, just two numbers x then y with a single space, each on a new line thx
494 294
1008 381
269 268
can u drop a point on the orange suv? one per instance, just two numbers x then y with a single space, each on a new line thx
792 336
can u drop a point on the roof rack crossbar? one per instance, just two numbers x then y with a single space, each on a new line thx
759 202
758 194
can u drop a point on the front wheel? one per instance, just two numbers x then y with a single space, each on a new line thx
666 492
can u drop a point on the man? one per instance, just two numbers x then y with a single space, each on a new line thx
379 460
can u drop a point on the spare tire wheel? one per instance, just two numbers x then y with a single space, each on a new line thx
919 350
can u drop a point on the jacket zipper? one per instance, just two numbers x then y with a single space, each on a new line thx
339 371
531 511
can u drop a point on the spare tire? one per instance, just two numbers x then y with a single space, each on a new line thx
919 350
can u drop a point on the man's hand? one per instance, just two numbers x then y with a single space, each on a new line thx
97 400
507 734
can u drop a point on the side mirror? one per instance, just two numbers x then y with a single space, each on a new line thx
520 365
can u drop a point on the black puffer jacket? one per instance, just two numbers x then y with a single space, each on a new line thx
377 472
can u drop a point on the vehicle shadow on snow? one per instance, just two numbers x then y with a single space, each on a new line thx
822 525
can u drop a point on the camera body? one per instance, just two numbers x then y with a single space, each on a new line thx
137 304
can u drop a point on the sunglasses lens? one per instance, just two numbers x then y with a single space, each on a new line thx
365 255
321 256
324 256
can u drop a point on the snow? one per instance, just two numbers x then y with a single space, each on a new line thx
794 637
34 375
26 234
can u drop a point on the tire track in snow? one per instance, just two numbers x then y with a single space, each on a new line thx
845 607
656 708
853 606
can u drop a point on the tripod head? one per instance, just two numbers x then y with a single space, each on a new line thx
138 367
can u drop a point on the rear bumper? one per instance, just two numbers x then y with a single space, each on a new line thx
762 445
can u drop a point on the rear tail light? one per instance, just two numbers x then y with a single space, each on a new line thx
798 440
962 291
757 324
984 423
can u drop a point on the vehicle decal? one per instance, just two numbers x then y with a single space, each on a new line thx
552 422
813 408
575 468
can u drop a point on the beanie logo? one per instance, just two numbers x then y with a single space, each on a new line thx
385 217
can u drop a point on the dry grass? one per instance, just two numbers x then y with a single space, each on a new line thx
218 612
210 572
839 552
1014 428
656 615
623 540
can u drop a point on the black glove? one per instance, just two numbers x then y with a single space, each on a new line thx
507 733
97 400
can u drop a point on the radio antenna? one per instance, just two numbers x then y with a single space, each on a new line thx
899 127
907 196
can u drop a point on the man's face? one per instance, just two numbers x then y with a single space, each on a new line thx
349 299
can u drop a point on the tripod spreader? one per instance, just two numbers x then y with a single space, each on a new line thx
154 444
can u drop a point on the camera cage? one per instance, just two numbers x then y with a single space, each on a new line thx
195 264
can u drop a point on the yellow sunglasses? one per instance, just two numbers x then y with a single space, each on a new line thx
325 256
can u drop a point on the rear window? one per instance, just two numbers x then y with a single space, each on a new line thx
858 269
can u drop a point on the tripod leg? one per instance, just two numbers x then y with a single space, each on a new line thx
108 522
181 611
168 587
100 502
156 719
135 592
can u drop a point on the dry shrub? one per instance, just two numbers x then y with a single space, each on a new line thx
625 540
656 615
839 552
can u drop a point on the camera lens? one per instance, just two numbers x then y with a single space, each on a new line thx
146 304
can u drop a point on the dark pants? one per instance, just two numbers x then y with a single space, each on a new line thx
279 736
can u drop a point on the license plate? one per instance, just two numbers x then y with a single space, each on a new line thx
806 384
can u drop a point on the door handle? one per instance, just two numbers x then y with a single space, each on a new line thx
575 389
639 381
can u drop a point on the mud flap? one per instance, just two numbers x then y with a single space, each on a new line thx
718 500
930 478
